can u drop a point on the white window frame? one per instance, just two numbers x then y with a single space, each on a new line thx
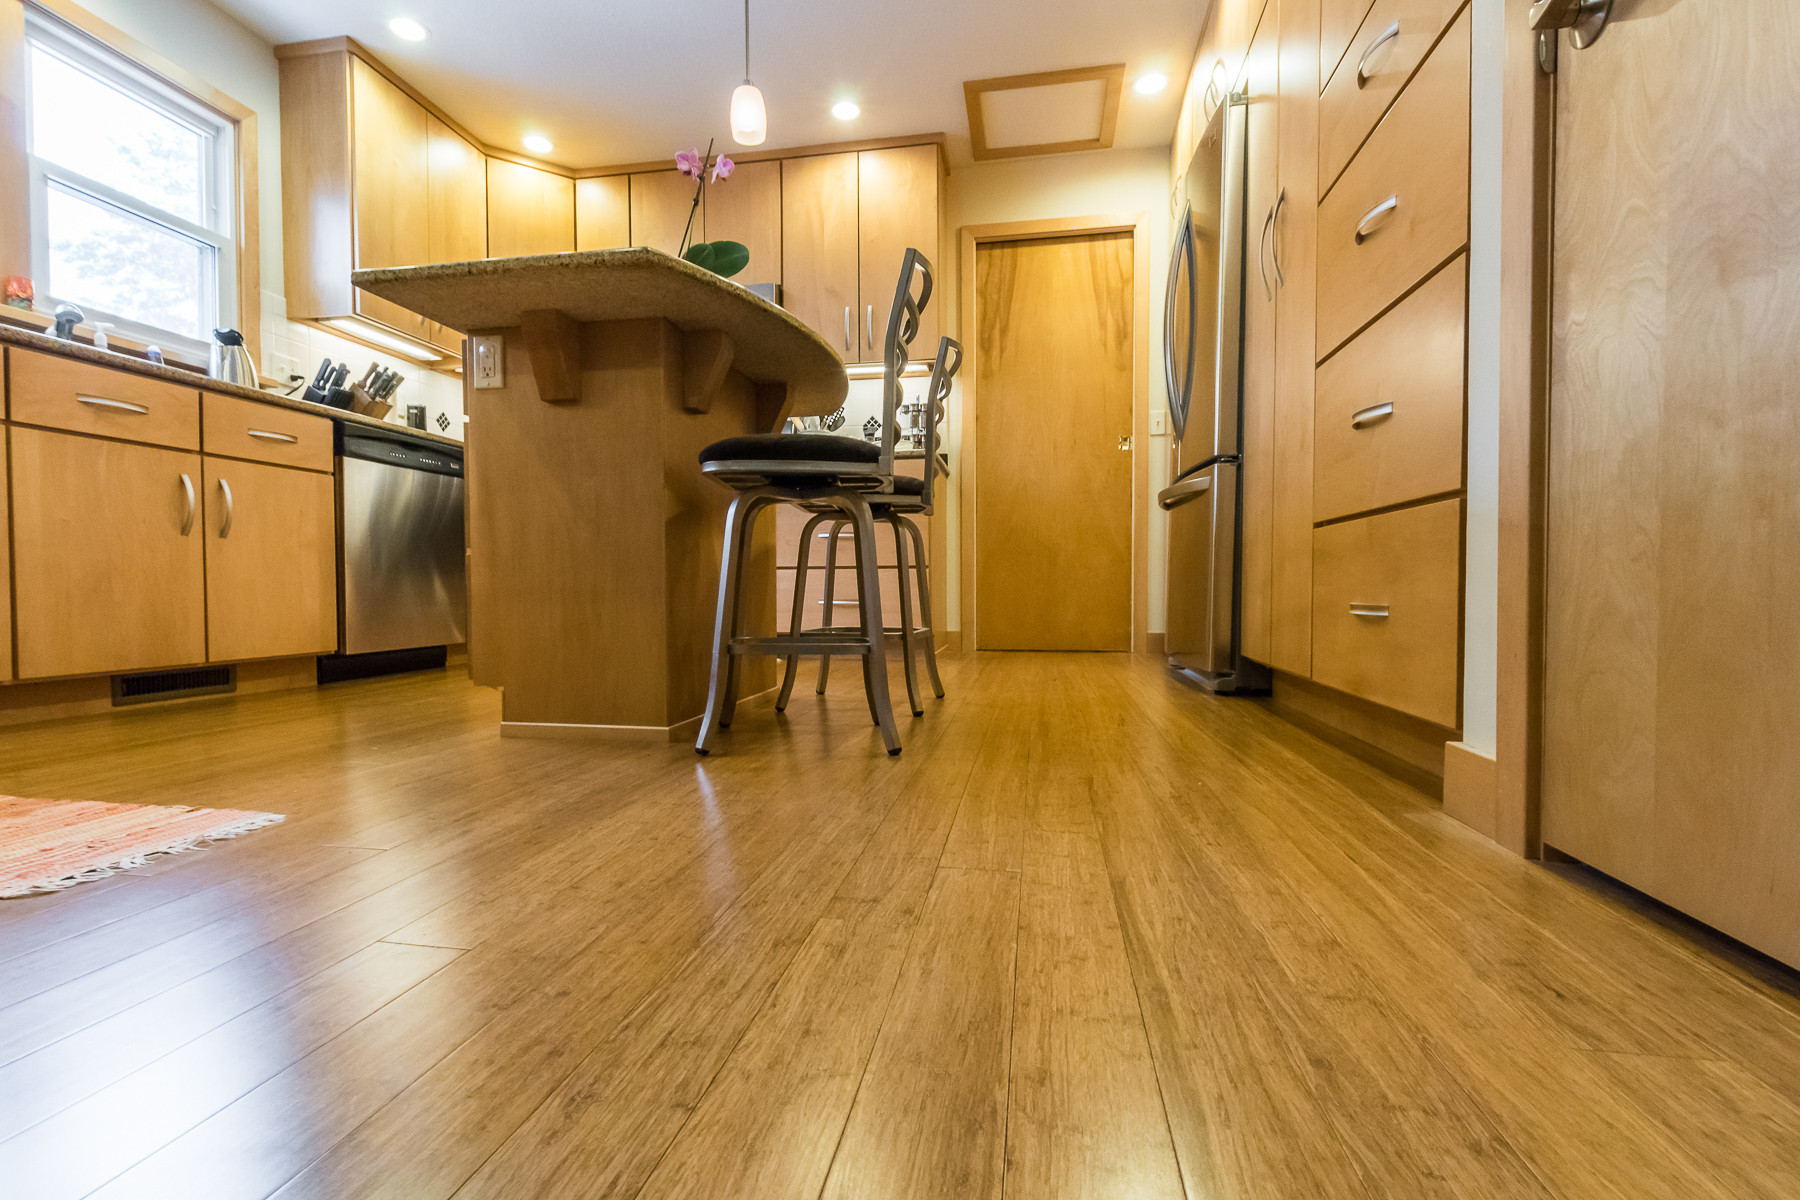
219 182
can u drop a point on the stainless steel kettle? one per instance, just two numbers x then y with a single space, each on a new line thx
230 360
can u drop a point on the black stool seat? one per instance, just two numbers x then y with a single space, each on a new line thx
792 447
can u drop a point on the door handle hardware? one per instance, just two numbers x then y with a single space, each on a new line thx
1125 442
116 405
1366 228
1262 254
270 436
187 519
1362 66
1372 415
1377 611
230 509
1275 241
1586 18
847 334
1188 490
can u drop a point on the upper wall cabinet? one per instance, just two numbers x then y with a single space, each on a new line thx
529 211
661 202
370 178
747 208
603 212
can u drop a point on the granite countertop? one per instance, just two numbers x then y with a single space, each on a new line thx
770 344
12 335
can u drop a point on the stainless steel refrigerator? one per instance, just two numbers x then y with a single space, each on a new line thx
1203 336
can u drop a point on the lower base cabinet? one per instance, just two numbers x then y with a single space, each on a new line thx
108 556
271 561
6 657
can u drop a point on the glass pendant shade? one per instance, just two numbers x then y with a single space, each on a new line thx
749 116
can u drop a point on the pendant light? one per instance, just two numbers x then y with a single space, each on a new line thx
749 116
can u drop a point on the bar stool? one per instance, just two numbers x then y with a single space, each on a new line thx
910 498
825 473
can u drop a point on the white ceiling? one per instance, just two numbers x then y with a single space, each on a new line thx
611 82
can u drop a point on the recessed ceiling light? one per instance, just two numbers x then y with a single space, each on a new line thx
846 110
1149 85
406 27
537 143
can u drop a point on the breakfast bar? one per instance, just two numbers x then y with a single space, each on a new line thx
592 381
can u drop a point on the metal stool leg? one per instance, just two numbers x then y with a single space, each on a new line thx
922 571
830 617
799 608
724 625
869 602
906 615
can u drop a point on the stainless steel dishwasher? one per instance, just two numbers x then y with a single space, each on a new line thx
402 571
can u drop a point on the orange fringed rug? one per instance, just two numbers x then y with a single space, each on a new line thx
48 845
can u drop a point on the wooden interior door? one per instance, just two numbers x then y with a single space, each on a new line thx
1672 685
271 561
1260 86
106 578
897 210
390 154
818 246
1053 522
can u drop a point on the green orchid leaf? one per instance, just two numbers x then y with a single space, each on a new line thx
723 259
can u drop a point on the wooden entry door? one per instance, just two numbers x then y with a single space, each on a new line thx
1053 427
1672 623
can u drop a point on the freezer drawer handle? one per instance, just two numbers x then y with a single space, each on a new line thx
1364 227
1362 67
116 405
1378 611
268 436
1372 415
1172 498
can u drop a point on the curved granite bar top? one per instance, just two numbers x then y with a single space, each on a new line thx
770 344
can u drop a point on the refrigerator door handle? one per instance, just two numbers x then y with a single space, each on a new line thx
1185 492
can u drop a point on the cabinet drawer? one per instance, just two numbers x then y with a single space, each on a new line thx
1387 609
1389 407
1338 23
1389 47
264 433
1402 206
63 393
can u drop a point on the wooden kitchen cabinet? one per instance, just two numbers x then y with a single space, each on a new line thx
271 561
6 607
819 269
1260 86
390 152
897 210
108 555
661 202
529 211
747 208
603 212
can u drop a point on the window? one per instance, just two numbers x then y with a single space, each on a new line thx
132 215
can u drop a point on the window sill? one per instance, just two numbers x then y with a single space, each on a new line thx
30 318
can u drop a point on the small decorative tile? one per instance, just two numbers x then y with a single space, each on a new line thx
872 428
443 423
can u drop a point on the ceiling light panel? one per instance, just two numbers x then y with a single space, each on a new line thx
408 29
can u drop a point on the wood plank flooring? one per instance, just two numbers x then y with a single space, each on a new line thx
1092 935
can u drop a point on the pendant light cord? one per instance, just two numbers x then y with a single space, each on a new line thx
746 41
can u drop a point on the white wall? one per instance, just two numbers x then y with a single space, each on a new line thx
1092 183
1481 606
226 54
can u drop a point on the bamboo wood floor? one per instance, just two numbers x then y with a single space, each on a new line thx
1092 935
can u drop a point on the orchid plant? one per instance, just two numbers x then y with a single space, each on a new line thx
722 258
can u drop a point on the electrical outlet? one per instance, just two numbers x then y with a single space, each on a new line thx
1158 422
283 367
490 367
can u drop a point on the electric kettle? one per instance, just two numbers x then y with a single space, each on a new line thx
230 361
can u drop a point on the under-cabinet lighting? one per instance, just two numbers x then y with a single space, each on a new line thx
537 143
369 333
846 110
1150 84
876 370
408 29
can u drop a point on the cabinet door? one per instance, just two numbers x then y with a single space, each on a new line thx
1259 341
389 163
897 210
271 561
529 211
818 246
6 658
107 556
747 208
456 197
603 212
661 204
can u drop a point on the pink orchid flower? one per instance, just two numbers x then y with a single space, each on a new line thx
722 167
689 163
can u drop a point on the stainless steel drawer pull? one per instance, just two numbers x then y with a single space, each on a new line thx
116 405
847 334
1365 227
1362 67
870 320
230 509
187 518
1372 415
270 436
1378 611
839 603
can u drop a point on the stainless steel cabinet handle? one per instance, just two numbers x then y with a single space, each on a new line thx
838 603
1176 495
1372 415
1275 240
230 509
1378 611
847 334
187 519
1262 254
871 323
1362 66
269 436
116 405
1364 227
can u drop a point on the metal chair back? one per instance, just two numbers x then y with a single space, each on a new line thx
911 296
937 405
